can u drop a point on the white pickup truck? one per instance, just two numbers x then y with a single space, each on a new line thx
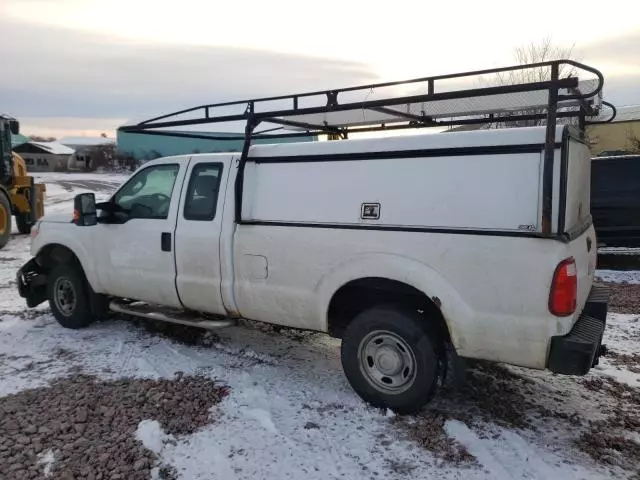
408 248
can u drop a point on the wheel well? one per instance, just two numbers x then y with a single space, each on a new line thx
54 254
359 295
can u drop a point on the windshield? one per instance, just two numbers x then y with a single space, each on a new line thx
148 193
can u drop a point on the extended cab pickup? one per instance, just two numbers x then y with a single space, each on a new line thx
401 253
415 250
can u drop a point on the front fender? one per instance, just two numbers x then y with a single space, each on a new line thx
402 269
73 238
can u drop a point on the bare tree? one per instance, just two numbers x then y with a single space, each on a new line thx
533 53
540 52
38 138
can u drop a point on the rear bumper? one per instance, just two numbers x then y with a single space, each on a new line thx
578 351
32 283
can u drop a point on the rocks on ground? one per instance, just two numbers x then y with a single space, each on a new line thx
89 425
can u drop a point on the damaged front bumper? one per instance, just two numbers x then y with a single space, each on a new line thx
578 351
32 283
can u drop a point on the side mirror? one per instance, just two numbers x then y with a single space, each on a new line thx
84 210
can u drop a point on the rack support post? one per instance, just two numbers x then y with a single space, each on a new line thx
252 123
549 152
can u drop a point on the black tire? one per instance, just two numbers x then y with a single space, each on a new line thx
22 222
5 219
400 337
70 312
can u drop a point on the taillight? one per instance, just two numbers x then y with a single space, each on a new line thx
564 289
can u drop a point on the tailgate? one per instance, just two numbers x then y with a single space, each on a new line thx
584 250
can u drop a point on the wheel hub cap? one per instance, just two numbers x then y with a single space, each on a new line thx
64 296
387 362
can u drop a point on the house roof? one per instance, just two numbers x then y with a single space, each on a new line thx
55 148
18 140
86 141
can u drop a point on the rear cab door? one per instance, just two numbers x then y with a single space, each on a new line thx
199 230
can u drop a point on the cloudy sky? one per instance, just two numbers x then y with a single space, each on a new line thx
88 66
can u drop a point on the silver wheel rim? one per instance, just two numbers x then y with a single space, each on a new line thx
387 362
64 296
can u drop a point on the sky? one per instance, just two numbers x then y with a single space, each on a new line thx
82 67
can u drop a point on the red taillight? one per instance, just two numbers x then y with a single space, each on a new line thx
564 289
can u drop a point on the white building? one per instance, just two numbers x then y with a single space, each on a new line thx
45 156
85 148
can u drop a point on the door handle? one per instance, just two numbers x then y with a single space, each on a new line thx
165 241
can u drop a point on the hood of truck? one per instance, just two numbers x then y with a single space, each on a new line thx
56 218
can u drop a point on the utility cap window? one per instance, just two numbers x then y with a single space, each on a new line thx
202 195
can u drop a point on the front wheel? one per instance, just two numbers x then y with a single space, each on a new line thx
393 358
68 297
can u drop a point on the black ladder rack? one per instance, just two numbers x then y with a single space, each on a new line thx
540 92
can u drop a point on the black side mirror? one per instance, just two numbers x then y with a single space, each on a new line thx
84 210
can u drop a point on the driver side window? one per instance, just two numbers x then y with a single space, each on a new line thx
148 193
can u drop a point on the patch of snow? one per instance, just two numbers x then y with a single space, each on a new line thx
152 436
508 455
619 276
55 148
46 459
264 419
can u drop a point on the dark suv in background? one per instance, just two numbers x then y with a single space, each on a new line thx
615 199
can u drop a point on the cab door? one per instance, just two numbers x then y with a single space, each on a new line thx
135 255
198 234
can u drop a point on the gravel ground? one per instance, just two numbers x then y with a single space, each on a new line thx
625 298
83 427
610 440
497 397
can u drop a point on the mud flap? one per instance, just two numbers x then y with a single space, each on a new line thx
32 283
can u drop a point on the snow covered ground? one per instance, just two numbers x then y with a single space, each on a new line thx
290 412
619 276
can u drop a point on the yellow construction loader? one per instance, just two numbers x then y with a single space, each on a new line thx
20 196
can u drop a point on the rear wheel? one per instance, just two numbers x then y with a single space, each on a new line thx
5 220
393 358
68 298
23 224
